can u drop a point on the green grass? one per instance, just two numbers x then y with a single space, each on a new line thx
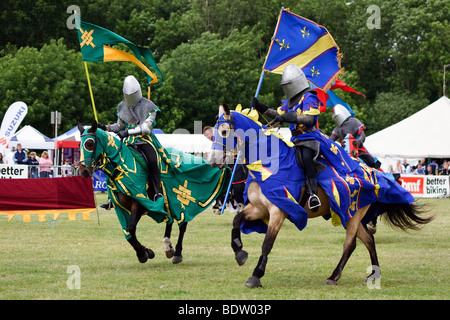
35 256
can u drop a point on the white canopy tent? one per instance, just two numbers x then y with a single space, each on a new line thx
424 134
71 135
189 143
31 138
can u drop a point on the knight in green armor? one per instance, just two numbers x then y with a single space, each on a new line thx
136 119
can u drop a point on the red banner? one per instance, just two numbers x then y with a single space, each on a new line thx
46 194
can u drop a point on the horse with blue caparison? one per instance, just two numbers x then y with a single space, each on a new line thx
350 192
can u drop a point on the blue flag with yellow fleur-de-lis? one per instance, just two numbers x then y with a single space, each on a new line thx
300 41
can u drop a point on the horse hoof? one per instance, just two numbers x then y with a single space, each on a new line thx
170 253
150 253
241 257
253 282
144 257
177 259
168 249
330 282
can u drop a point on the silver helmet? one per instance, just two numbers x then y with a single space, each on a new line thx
340 114
293 81
131 91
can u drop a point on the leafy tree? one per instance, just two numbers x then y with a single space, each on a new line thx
212 51
46 80
392 107
209 70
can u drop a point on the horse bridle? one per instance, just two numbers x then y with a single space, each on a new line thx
227 118
94 161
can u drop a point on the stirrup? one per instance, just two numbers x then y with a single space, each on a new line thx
157 196
314 203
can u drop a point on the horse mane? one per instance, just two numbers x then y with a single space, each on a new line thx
253 115
249 113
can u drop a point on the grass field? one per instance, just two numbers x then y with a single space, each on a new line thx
35 258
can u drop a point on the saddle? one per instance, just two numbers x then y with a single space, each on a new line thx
139 156
311 144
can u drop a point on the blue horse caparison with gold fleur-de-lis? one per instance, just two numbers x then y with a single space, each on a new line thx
349 184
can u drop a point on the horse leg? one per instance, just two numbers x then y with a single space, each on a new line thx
236 242
168 249
367 238
179 247
276 220
142 252
249 213
349 244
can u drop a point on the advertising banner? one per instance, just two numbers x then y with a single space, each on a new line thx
11 121
99 181
13 171
426 186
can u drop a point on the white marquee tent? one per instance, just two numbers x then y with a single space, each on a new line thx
31 138
190 143
424 134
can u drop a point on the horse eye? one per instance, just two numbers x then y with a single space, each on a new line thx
224 130
89 144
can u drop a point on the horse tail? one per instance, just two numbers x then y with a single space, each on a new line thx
406 216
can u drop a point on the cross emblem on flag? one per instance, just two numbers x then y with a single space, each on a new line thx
87 38
184 194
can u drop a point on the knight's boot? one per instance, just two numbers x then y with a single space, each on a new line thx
313 200
108 205
157 193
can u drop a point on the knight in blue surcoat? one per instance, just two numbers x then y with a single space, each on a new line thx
300 110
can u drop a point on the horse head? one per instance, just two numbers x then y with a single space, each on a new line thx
224 143
88 149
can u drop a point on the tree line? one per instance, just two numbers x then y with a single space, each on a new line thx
212 51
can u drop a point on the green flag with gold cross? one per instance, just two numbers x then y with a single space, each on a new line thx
96 42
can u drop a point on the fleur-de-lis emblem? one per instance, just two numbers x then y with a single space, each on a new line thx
314 71
282 44
305 32
350 180
334 149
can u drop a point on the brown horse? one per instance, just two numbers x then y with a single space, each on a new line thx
231 130
92 147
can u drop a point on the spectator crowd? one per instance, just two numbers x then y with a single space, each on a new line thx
38 167
423 167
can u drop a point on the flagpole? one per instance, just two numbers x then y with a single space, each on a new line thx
259 84
231 182
90 90
87 76
262 72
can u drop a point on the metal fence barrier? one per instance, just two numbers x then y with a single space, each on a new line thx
45 171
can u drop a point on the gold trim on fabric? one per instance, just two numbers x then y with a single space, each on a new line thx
216 190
